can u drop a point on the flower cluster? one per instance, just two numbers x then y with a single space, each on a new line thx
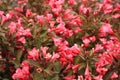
60 40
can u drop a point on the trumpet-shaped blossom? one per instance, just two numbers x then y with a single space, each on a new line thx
12 26
23 32
84 9
44 51
86 41
33 54
80 77
87 74
72 2
105 28
21 40
22 74
114 75
22 2
56 6
54 57
41 19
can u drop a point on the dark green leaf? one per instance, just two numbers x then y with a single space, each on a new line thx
49 72
19 55
33 63
55 78
82 66
76 59
108 75
57 66
37 76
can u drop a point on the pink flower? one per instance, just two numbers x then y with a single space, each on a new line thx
59 20
80 77
44 50
57 41
12 26
117 7
56 6
63 46
75 67
68 67
24 64
67 14
18 74
86 41
75 49
84 9
22 1
77 30
116 16
92 38
72 2
107 1
1 13
69 57
54 57
8 16
40 19
69 77
19 9
99 77
49 17
115 75
60 29
48 56
87 74
98 47
28 13
68 33
57 10
23 32
107 8
101 63
33 54
52 23
105 28
21 40
22 74
63 61
27 32
4 19
76 22
25 67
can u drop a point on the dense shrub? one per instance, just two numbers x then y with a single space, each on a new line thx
59 40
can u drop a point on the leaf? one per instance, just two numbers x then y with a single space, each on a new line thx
11 49
32 62
19 55
48 72
2 34
16 63
76 60
34 32
43 33
57 66
108 75
82 65
37 76
71 40
55 78
70 72
82 57
91 53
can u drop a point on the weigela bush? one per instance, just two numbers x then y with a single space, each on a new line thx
59 40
